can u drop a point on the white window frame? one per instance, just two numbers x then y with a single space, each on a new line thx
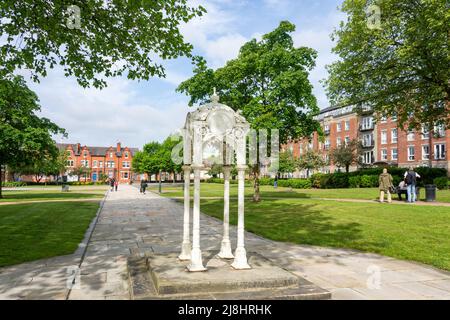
384 154
347 125
384 134
394 153
411 136
338 141
394 137
440 151
425 155
411 156
338 127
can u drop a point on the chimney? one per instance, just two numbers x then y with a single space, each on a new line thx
78 148
119 147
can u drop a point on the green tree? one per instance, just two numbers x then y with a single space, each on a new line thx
80 171
112 38
148 161
346 154
286 162
268 82
401 68
310 161
47 165
24 136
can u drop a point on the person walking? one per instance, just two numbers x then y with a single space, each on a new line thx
116 184
385 185
111 184
275 182
143 186
411 180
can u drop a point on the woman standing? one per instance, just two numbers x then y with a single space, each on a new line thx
385 184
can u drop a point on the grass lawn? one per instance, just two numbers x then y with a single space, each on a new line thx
216 190
42 230
418 233
35 194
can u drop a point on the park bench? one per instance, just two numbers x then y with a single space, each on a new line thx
401 191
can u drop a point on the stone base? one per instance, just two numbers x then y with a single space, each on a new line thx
163 276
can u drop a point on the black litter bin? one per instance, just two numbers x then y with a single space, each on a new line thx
430 192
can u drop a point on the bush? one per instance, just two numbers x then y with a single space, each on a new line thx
441 182
13 184
354 182
368 181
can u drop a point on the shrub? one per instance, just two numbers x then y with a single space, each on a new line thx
13 184
354 182
301 183
441 182
368 181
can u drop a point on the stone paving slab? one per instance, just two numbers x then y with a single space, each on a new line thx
131 223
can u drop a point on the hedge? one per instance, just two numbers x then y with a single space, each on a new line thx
14 184
441 182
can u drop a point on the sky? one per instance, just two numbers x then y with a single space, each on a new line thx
135 113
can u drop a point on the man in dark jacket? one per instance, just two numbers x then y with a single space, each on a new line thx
411 180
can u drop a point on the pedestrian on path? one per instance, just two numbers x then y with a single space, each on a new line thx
116 184
385 185
143 186
275 182
411 180
112 183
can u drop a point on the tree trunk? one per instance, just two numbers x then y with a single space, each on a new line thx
347 168
174 177
256 193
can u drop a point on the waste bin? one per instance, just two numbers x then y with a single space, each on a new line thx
430 192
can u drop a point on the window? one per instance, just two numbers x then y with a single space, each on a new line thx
368 157
347 125
338 142
411 153
384 137
110 164
425 133
384 154
126 154
69 163
367 123
94 163
439 151
110 154
327 158
394 154
85 154
85 163
394 136
301 148
338 127
68 153
347 140
383 119
124 175
410 135
394 117
367 140
426 152
327 144
101 164
439 131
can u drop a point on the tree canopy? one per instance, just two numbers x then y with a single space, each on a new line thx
268 82
401 68
346 154
310 160
24 136
93 39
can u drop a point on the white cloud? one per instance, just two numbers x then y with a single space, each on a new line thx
103 117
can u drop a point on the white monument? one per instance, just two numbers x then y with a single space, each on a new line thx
214 124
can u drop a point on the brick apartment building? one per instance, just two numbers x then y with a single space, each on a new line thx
383 141
114 162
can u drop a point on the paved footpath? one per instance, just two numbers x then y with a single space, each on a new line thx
132 223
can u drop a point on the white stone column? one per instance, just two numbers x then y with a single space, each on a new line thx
240 260
225 249
186 245
196 254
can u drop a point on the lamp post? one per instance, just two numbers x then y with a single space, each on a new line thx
159 184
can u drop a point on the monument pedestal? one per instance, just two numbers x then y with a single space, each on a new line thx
163 276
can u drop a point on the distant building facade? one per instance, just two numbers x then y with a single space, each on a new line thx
383 141
111 162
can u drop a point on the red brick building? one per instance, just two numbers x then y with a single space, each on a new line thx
112 162
383 141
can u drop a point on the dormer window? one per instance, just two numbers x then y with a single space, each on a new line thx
85 154
126 154
110 154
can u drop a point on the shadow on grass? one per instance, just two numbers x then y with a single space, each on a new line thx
47 195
